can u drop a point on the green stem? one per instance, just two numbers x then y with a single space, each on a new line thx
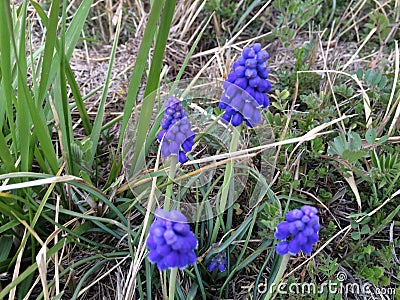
278 277
163 275
171 175
226 184
172 282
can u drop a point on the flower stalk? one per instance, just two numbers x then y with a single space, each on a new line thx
172 282
171 174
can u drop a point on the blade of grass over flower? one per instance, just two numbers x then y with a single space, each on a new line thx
153 80
137 73
154 129
140 252
134 84
96 131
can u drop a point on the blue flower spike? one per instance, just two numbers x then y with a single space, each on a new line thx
301 226
217 261
170 240
176 137
245 88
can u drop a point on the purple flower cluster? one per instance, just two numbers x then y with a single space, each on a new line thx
217 261
302 225
246 87
176 136
170 240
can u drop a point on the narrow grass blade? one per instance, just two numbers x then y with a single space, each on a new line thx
63 105
5 246
51 37
246 13
78 99
75 27
78 21
96 131
86 276
6 73
23 118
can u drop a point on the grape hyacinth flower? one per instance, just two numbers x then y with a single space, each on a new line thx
217 261
170 240
176 137
246 87
302 225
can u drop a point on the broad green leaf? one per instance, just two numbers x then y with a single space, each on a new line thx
365 229
370 136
